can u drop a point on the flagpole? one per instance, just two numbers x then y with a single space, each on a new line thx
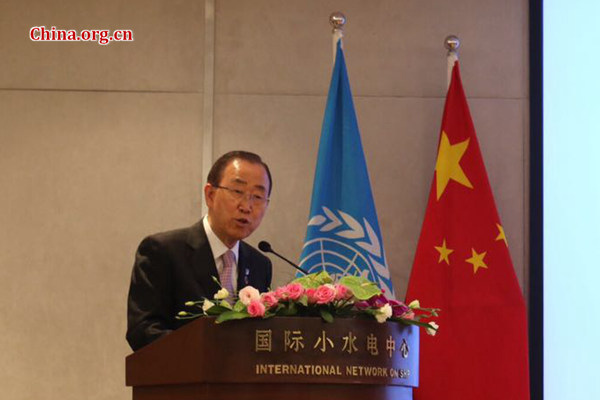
337 20
451 43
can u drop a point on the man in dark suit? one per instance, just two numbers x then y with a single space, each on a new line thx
178 266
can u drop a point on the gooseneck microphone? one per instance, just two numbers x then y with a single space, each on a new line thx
265 247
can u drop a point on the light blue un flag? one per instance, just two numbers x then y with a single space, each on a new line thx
343 234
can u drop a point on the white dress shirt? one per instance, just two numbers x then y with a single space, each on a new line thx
218 248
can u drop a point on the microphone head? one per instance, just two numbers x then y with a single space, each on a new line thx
265 246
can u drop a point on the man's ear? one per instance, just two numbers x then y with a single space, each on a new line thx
209 195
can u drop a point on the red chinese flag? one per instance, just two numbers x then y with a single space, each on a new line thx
463 266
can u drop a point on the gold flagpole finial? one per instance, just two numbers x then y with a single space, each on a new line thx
337 20
452 43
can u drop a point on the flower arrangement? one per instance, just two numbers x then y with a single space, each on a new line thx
314 295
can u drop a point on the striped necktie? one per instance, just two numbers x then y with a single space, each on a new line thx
226 275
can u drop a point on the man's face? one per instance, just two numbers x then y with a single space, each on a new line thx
230 217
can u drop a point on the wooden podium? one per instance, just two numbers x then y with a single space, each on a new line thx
289 358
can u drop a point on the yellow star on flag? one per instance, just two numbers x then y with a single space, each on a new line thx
477 260
501 234
447 165
444 252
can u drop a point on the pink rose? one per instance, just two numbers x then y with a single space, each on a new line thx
294 291
281 293
325 294
256 308
342 292
269 299
249 294
310 293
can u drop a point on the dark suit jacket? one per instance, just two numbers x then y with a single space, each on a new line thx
177 266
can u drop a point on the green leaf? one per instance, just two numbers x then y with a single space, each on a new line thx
189 316
288 310
217 310
326 315
345 311
324 277
303 300
268 315
231 315
307 282
239 306
412 322
314 280
362 288
280 306
369 311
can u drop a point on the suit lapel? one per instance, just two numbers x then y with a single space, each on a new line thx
202 260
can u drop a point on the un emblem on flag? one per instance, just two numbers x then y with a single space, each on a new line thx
341 245
336 257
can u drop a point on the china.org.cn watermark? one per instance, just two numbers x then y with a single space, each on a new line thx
101 36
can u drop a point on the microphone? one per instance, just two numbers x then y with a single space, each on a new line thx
265 247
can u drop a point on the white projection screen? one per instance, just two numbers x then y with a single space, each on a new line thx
571 199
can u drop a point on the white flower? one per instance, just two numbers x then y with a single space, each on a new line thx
415 304
433 330
207 305
222 294
383 313
248 294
